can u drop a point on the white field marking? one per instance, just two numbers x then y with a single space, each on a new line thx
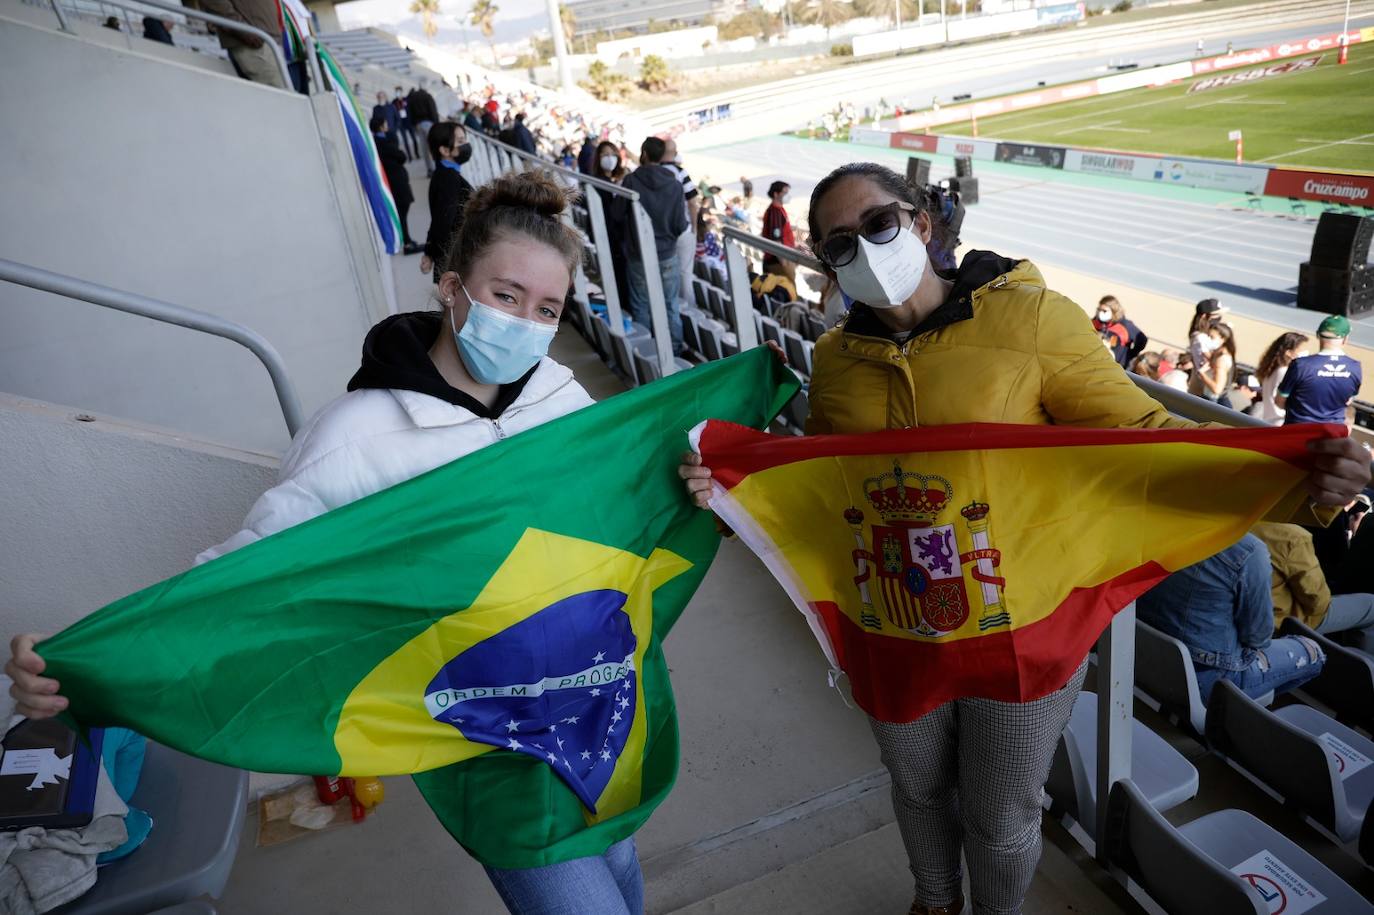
1125 129
1305 149
1061 133
1254 102
1336 142
1220 101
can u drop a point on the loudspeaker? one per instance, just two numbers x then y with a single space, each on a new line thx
917 171
1335 292
966 188
1341 241
963 166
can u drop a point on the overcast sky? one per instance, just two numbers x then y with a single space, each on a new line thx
514 18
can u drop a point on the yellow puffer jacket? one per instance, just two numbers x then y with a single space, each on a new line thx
1003 350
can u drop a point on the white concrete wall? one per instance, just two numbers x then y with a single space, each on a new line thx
186 185
92 511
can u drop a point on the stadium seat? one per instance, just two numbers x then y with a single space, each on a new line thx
603 339
1297 206
689 332
795 413
699 270
1162 774
793 346
646 366
198 808
1191 870
808 350
1288 752
729 343
622 358
769 330
718 279
711 334
715 304
815 325
1165 679
699 294
1254 201
1346 683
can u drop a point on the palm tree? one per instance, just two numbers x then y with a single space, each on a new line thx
828 13
427 9
483 15
874 8
568 19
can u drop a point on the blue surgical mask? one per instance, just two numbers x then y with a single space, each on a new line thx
498 348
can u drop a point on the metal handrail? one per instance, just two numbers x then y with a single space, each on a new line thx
188 12
166 312
772 247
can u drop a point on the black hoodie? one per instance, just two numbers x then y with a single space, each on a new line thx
396 357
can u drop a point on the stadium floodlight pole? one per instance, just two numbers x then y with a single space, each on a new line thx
897 7
944 23
560 47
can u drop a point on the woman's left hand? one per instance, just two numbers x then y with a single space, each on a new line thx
1341 470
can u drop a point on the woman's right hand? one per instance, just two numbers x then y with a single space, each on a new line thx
35 696
697 478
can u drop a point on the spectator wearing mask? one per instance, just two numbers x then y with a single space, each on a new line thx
660 193
394 166
691 206
448 193
1179 368
253 58
615 210
1207 313
405 125
387 112
777 225
159 30
1272 369
424 114
524 140
1223 610
1319 388
1109 312
1211 379
1300 588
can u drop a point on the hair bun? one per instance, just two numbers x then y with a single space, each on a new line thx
536 190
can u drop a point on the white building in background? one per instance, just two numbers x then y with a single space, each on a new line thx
677 43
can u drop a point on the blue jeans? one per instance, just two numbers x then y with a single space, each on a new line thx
1286 664
639 295
609 884
1353 613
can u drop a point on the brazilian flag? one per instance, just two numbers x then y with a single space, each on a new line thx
494 627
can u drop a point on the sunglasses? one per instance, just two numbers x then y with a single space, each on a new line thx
880 227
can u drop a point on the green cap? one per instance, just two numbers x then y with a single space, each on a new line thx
1334 326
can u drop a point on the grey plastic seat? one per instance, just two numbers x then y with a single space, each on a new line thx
1166 681
689 332
796 353
796 411
808 354
770 330
1285 750
699 292
1346 683
712 346
622 349
198 809
1161 773
1188 870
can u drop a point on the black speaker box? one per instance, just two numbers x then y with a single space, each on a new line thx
963 166
1335 292
1341 241
966 188
917 171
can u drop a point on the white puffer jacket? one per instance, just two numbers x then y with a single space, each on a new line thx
370 439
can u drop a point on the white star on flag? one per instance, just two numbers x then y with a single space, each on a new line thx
572 720
515 744
586 754
605 756
560 742
511 726
552 758
624 703
566 763
553 727
595 691
615 717
600 656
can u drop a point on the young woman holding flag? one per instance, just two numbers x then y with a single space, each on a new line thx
987 342
433 387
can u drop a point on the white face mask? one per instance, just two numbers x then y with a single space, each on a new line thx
786 197
677 160
885 276
1104 315
608 163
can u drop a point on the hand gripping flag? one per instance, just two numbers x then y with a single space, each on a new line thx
495 624
985 560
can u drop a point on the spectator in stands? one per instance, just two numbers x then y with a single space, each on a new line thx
394 165
405 126
746 189
524 140
1272 369
472 120
491 126
1113 337
1320 388
615 210
777 225
1205 314
775 281
387 112
660 193
1211 379
253 58
1222 609
424 114
1245 395
1109 311
921 348
159 30
586 156
112 22
1300 589
507 133
428 389
1181 365
1149 365
691 206
448 193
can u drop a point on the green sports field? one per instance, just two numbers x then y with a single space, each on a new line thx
1320 117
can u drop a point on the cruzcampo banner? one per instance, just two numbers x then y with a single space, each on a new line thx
985 560
494 625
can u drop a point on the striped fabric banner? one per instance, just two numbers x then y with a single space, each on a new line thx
370 174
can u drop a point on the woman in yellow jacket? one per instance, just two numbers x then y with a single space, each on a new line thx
985 343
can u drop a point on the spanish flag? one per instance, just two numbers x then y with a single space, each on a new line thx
985 560
494 626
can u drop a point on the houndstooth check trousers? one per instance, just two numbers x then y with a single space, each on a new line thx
972 773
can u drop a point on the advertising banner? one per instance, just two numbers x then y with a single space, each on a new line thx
868 136
1060 13
1217 176
1030 154
1276 52
1151 76
1246 76
917 141
1115 165
967 146
1328 186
